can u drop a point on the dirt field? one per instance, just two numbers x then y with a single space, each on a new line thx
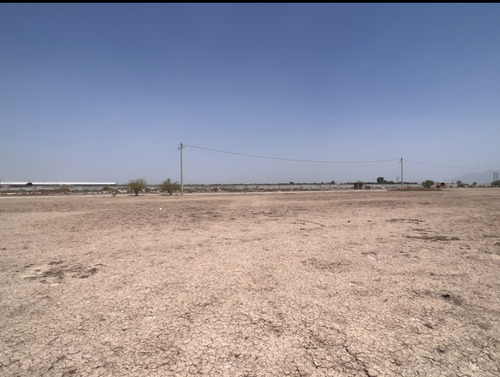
344 283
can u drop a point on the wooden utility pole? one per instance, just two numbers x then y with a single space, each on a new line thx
182 181
402 179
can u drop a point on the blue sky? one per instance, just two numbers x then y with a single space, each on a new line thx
107 92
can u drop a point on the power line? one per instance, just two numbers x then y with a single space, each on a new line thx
442 166
289 159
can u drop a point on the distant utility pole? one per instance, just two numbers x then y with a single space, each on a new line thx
182 182
402 179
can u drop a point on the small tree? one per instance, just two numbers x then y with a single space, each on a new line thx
380 180
137 185
428 183
495 183
170 186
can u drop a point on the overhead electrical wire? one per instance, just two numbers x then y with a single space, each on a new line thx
324 161
288 159
442 166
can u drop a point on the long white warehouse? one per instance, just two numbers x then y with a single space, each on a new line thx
58 183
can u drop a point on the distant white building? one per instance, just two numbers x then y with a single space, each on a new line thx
57 183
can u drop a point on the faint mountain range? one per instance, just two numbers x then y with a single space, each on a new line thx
485 177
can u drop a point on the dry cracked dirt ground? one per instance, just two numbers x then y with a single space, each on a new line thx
344 283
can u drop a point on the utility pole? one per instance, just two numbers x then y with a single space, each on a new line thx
402 179
182 182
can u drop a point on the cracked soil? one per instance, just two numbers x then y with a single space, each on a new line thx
344 283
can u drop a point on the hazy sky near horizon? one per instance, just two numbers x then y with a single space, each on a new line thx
107 92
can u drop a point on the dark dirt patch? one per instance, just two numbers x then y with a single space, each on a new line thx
434 238
61 271
406 221
325 265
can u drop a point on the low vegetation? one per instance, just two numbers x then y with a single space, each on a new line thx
137 185
428 183
170 186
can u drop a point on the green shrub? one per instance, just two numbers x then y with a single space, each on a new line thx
137 185
428 183
170 186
